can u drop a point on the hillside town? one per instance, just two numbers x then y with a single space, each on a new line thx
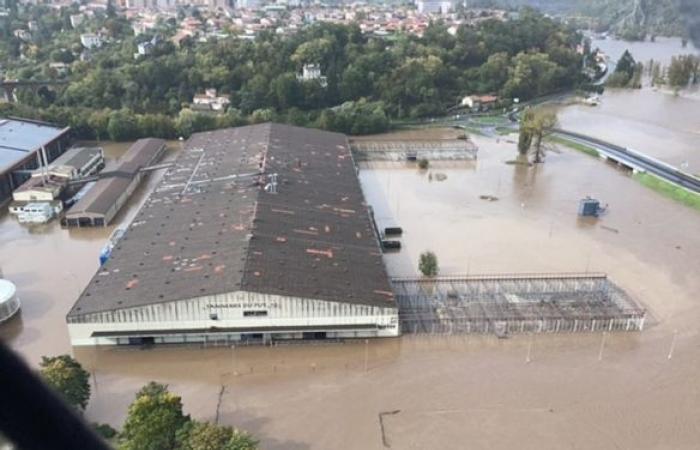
215 19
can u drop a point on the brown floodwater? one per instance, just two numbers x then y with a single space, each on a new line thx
661 51
578 391
656 123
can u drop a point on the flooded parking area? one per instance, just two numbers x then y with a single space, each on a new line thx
593 390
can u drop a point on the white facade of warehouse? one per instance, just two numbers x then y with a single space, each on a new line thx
232 317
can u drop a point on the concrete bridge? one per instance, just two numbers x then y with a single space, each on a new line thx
9 86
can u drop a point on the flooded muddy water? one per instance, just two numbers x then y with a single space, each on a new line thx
655 123
661 51
578 391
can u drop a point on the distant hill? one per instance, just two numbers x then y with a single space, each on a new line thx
631 19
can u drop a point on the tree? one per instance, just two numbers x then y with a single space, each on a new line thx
153 420
494 72
683 70
624 75
531 75
524 141
104 430
65 375
207 436
428 264
122 126
537 123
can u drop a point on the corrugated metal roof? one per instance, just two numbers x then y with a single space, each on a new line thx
77 157
105 192
19 138
209 227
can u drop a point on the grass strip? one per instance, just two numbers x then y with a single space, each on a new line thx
575 145
669 190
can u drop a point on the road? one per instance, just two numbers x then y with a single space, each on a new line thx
627 157
636 160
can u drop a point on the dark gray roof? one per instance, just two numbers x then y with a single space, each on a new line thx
313 238
209 227
77 157
106 191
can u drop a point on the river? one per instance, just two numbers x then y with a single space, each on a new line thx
661 51
654 122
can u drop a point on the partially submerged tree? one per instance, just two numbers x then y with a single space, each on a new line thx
628 73
68 378
537 123
207 436
428 264
153 420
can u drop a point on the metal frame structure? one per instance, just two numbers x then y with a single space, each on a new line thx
515 303
446 149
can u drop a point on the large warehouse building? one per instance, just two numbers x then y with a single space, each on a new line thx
23 145
256 233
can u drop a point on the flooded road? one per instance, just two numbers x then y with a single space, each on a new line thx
578 391
658 124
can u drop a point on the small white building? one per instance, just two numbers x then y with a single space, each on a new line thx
434 7
39 212
312 72
60 68
76 20
39 189
23 35
143 49
91 41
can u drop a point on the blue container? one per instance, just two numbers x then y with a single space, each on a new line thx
589 207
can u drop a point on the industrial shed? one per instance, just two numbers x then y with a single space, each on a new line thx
99 206
256 233
23 146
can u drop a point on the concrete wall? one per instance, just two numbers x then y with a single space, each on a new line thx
282 313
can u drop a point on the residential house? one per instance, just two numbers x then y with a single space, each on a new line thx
90 41
76 20
312 72
480 102
210 101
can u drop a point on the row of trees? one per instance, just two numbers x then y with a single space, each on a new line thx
683 71
369 80
155 420
360 117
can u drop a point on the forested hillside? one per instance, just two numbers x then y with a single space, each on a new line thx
369 80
